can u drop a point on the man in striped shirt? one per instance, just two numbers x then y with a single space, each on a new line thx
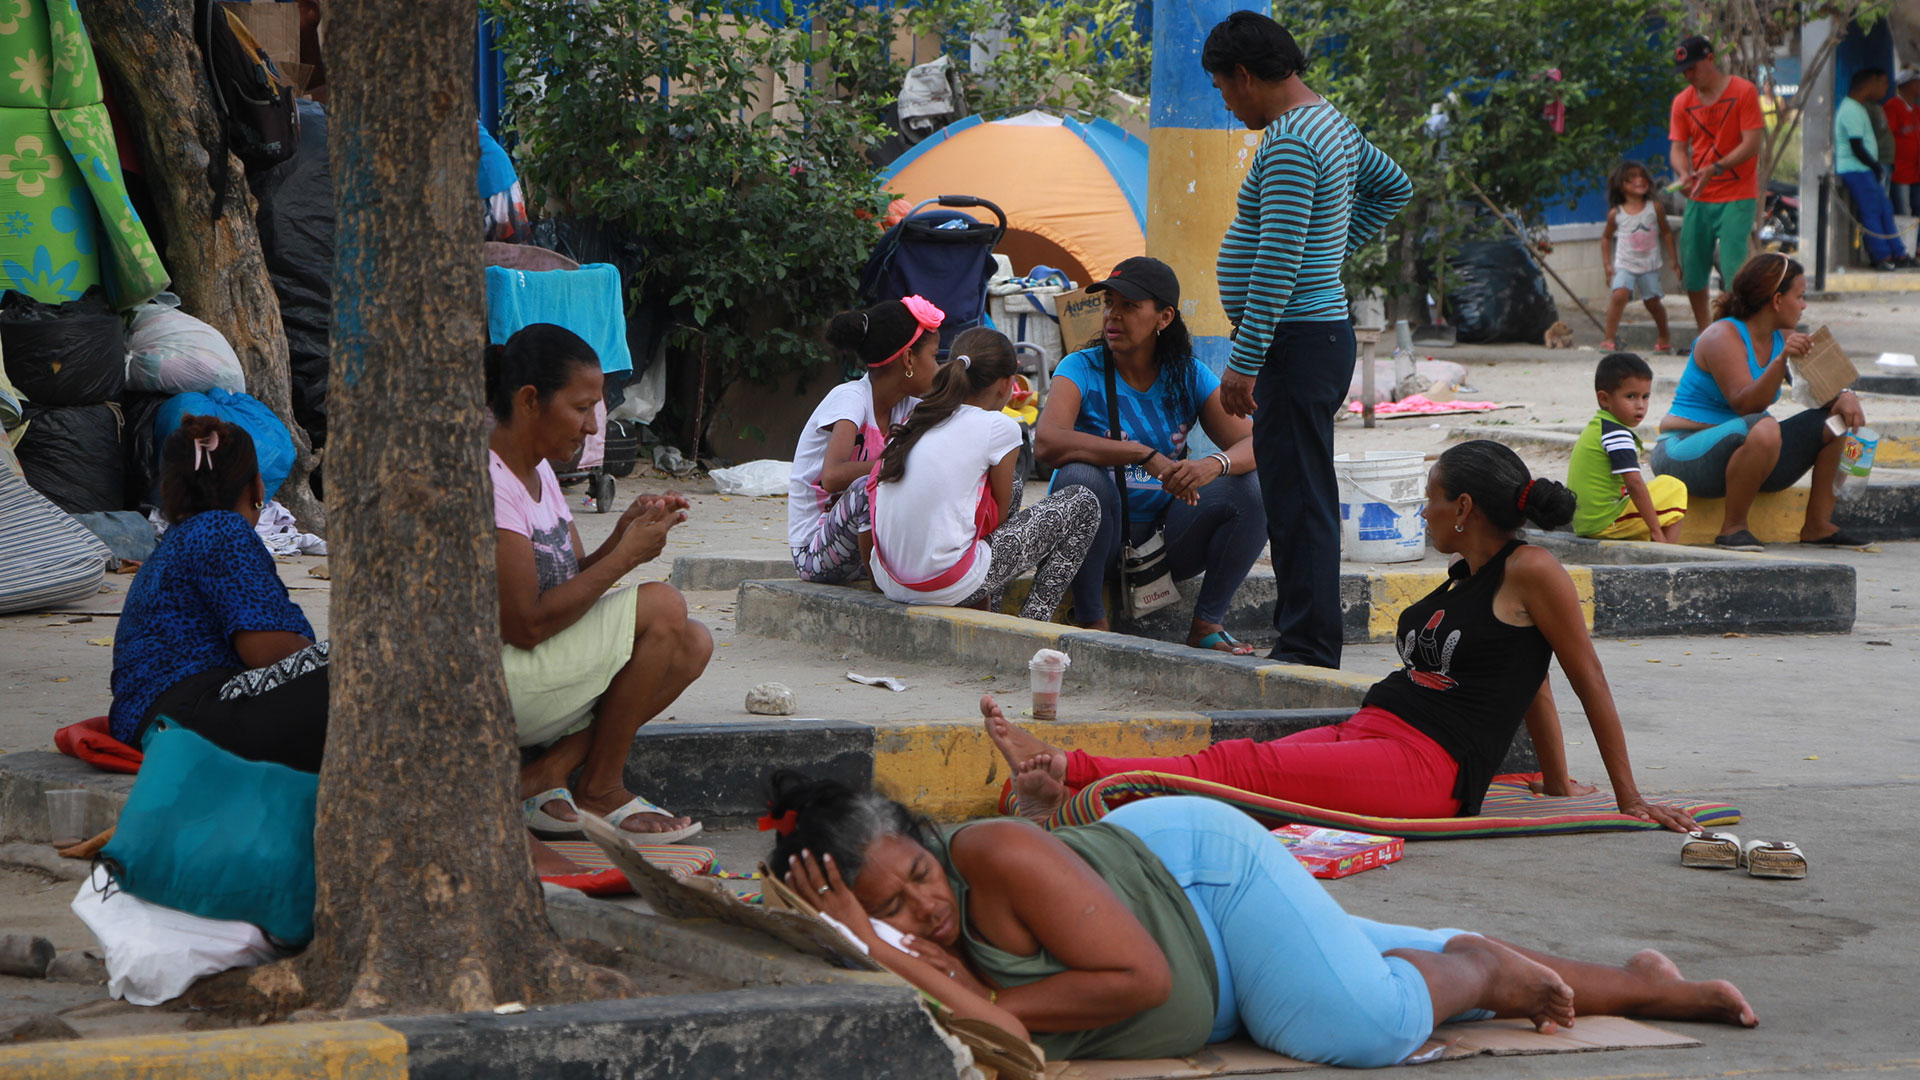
1315 191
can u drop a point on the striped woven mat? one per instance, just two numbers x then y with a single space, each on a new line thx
1509 809
680 860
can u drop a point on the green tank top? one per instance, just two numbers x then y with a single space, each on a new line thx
1177 1027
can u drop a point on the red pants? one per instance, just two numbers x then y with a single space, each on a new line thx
1373 764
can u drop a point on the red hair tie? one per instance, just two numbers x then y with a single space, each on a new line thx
1526 491
784 824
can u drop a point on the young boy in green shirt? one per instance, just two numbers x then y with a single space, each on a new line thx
1616 500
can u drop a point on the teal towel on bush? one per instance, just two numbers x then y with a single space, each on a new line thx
215 835
586 301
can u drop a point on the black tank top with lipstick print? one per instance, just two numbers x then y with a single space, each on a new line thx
1467 678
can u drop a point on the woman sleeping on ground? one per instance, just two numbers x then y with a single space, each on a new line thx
1172 923
947 527
209 637
1430 737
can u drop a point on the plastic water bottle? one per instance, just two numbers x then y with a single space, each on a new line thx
1856 460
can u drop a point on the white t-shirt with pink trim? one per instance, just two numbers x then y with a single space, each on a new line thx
924 522
806 500
545 521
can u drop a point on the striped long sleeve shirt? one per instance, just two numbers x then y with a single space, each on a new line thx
1315 191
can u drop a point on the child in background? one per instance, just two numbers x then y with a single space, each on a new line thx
899 342
1632 260
1617 501
945 503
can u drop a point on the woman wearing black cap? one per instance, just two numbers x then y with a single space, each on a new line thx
1210 506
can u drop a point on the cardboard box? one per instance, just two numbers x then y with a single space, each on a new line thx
276 26
1825 370
1082 316
1336 853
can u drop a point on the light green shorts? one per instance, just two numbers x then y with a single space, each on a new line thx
555 685
1707 225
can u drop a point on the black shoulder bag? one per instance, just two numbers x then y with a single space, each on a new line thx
1146 582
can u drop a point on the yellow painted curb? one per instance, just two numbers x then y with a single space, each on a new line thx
348 1050
1391 592
967 621
1775 518
1901 452
949 770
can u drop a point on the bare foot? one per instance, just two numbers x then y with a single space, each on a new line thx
1039 787
1715 1000
1014 743
1517 986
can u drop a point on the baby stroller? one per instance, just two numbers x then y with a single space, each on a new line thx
943 255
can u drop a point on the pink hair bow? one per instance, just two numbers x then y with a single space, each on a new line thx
203 449
924 313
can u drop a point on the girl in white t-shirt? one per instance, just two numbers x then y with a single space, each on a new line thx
898 341
947 523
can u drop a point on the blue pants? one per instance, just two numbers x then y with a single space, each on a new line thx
1301 386
1221 537
1876 216
1300 976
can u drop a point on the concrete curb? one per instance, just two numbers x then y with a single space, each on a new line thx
802 1033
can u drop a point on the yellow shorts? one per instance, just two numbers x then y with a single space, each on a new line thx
555 685
1669 501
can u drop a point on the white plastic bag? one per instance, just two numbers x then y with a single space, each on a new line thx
154 953
171 352
763 477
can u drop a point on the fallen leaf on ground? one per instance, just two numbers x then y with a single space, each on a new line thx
1880 643
107 641
1811 757
1733 633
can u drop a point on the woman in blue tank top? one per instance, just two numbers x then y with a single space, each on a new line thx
1718 439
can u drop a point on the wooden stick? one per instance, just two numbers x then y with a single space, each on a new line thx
1537 256
87 849
1368 338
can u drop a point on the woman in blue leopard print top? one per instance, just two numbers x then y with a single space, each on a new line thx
209 637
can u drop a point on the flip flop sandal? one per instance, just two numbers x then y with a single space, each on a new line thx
1221 637
1711 850
1774 859
545 825
1740 541
1838 538
638 805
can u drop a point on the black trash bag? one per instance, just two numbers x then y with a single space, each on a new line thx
296 238
1497 293
64 354
143 450
71 454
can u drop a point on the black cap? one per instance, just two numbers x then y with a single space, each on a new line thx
1142 278
1691 51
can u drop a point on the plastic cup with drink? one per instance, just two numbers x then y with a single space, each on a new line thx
1048 669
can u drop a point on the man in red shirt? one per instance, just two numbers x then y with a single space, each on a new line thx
1903 115
1715 132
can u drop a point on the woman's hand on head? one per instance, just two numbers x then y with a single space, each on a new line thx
1669 817
818 881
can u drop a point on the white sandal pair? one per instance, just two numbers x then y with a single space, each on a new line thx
547 827
1762 858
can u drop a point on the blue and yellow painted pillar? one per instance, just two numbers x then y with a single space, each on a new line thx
1197 157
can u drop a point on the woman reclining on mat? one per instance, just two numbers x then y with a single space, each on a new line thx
899 342
1428 738
1172 923
947 523
208 636
586 663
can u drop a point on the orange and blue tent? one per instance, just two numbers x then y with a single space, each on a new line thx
1074 191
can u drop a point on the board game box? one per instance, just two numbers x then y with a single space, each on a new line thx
1336 853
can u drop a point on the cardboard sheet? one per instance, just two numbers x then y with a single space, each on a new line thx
1500 1038
1825 369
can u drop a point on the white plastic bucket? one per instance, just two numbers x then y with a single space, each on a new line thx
1381 493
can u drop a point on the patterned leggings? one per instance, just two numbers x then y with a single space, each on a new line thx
1051 539
833 557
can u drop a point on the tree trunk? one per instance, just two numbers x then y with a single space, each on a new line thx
151 56
427 899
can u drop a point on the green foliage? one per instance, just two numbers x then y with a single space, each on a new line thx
678 122
1061 54
1485 64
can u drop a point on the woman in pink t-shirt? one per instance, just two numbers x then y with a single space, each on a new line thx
586 663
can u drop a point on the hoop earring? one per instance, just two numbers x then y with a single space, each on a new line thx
909 371
258 505
1457 527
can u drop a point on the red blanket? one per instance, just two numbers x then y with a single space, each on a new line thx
92 742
